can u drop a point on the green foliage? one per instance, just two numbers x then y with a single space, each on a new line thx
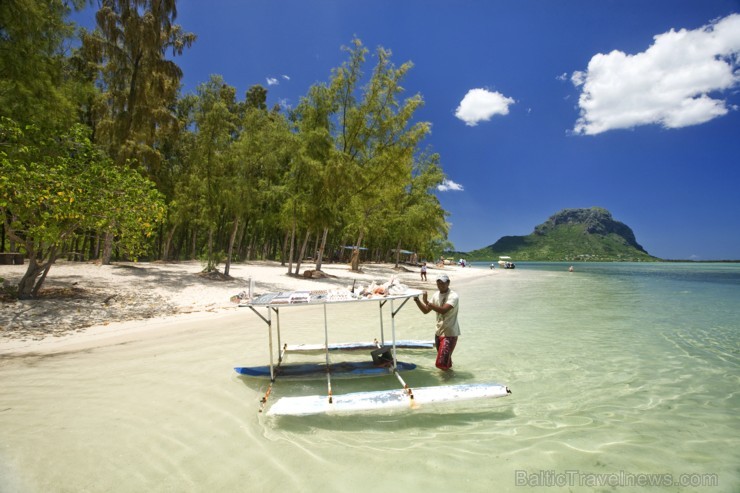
344 167
210 260
36 86
571 235
140 85
52 188
416 216
362 144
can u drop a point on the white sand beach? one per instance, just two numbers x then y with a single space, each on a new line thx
84 303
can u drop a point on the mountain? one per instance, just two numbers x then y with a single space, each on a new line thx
571 235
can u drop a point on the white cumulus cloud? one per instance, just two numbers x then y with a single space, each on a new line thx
674 83
272 81
449 185
480 105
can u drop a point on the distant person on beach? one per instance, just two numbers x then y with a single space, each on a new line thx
445 303
570 269
424 271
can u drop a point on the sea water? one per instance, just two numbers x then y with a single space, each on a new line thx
624 377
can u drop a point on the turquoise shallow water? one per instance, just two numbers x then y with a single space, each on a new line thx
625 377
630 367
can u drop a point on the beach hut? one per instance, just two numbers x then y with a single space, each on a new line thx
409 257
348 249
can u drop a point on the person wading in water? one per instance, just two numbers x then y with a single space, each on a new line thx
445 303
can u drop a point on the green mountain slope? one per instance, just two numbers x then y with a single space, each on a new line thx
571 235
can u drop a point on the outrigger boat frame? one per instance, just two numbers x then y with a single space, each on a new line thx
405 397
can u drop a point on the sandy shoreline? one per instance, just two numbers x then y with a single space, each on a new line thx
83 301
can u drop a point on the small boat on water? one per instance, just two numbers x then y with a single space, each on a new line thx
384 359
506 263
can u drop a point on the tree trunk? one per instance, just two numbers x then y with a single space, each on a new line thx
232 238
160 240
315 252
11 237
240 240
107 248
31 283
321 248
250 247
40 280
92 246
193 247
83 248
302 255
168 243
398 253
79 249
210 267
96 253
290 255
355 265
284 254
26 284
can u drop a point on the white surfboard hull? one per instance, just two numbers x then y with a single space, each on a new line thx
384 400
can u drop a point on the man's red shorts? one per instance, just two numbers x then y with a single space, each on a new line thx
445 346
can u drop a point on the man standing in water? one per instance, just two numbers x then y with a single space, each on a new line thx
445 303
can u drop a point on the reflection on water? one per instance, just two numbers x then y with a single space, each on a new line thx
615 368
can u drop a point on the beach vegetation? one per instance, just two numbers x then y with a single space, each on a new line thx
316 150
51 188
344 164
208 174
419 217
206 188
37 83
365 141
138 84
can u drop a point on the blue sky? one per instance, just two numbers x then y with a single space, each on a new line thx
535 105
